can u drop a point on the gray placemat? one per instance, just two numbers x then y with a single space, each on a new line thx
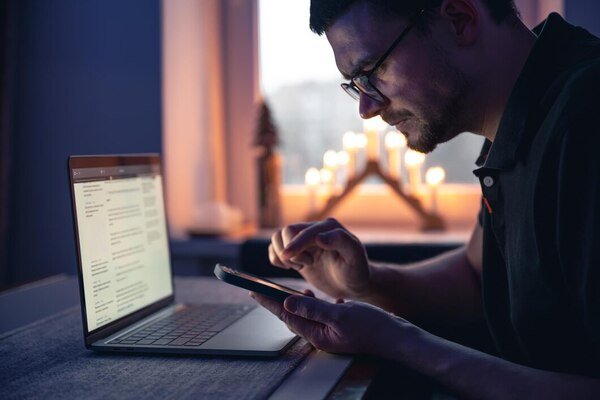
47 359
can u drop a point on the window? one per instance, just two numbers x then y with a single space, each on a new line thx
301 83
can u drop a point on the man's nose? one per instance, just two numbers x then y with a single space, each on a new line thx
369 107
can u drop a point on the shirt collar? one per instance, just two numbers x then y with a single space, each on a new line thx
541 68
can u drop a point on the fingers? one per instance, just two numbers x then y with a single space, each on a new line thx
272 305
301 326
278 242
312 309
308 292
289 232
297 262
306 238
275 251
289 247
274 258
304 258
342 241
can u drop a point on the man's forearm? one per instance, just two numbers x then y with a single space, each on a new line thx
444 288
477 375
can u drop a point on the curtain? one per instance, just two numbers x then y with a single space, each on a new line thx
193 121
535 11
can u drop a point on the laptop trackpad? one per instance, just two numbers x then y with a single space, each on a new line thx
259 330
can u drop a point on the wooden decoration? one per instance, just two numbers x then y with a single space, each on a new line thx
429 221
269 165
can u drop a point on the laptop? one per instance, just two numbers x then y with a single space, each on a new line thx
125 276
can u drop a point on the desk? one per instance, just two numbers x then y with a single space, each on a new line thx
42 355
47 366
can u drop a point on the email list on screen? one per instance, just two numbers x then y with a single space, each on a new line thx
122 238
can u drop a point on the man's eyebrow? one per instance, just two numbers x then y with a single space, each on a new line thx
360 65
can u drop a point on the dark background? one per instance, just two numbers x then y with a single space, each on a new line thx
83 77
585 13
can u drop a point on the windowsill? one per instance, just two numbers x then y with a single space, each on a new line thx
379 188
373 213
377 206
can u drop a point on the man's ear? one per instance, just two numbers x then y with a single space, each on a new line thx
463 17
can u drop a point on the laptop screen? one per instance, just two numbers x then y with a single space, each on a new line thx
123 240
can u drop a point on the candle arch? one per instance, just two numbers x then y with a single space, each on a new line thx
430 220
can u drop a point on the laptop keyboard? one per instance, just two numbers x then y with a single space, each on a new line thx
191 326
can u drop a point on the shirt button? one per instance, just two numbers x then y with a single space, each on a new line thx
488 181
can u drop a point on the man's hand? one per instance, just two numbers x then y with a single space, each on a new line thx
359 328
326 254
351 328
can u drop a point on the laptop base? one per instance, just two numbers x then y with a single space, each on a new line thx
257 334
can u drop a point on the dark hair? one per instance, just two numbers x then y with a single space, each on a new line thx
323 13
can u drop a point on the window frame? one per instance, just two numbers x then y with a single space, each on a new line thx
240 18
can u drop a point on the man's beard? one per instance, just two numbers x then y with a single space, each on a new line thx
444 124
431 134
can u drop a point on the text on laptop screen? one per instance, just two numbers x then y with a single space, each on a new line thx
123 240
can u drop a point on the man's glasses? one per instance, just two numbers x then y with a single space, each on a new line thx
362 84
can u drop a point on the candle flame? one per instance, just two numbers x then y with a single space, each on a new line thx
374 124
326 175
343 158
413 158
435 176
394 140
330 159
312 177
349 141
361 140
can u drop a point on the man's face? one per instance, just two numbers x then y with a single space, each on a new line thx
424 92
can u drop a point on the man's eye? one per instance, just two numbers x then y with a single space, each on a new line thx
367 67
367 71
383 67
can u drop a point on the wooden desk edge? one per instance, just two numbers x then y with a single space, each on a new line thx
315 377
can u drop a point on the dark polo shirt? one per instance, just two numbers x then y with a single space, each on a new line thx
541 208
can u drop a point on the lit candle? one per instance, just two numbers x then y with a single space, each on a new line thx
351 148
414 160
343 161
394 141
361 145
326 177
361 140
434 177
312 178
403 149
330 161
372 128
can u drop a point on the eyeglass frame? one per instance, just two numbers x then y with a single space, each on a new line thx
354 90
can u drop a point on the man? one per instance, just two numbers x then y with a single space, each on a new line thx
532 266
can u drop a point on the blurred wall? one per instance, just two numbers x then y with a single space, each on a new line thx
585 13
86 81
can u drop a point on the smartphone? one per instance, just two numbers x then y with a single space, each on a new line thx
254 283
